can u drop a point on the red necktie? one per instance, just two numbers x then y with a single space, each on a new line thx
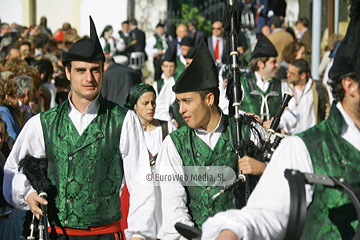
216 50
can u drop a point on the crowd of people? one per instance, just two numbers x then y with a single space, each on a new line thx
102 130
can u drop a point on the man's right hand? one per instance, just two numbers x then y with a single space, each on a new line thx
160 52
34 200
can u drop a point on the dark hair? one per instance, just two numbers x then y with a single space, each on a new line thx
40 40
253 65
133 21
2 121
44 66
304 21
9 48
302 65
106 29
336 86
193 22
61 81
214 90
277 21
24 42
290 51
125 22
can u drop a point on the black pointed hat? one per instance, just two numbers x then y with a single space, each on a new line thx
201 73
187 41
343 61
191 52
170 56
264 48
160 24
86 49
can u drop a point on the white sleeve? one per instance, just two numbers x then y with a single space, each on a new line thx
173 196
149 48
171 127
120 44
30 141
267 211
135 157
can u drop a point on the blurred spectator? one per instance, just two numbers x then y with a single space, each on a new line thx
12 52
25 49
156 47
25 94
62 88
174 46
303 33
109 44
118 80
4 28
333 40
41 42
127 38
279 37
43 26
216 43
139 36
14 65
265 29
293 51
9 100
195 33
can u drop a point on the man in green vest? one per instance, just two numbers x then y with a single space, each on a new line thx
125 35
262 90
185 45
156 47
330 148
206 141
91 145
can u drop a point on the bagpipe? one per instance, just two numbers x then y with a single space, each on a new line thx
35 170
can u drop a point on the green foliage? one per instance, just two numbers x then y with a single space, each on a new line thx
193 13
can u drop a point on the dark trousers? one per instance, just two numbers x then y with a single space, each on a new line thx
110 236
157 67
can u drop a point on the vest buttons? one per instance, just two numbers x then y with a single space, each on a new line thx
228 148
69 180
100 135
208 188
208 168
66 222
210 209
68 201
70 158
62 135
198 154
344 162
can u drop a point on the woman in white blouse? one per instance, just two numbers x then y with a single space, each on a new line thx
141 99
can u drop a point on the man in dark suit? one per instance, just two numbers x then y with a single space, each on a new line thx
216 43
195 33
139 36
118 80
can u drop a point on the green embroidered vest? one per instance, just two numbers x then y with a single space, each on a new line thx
86 169
180 67
198 153
331 215
158 44
252 103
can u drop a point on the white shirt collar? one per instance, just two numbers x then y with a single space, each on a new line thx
166 79
258 78
92 108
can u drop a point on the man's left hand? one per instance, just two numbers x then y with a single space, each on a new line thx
251 166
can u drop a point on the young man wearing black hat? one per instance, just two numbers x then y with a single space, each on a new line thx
165 97
156 47
91 144
206 140
330 148
263 92
185 45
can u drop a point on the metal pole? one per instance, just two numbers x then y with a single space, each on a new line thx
336 16
316 38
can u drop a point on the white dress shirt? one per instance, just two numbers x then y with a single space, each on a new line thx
164 99
115 45
302 106
135 161
266 214
174 197
151 42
